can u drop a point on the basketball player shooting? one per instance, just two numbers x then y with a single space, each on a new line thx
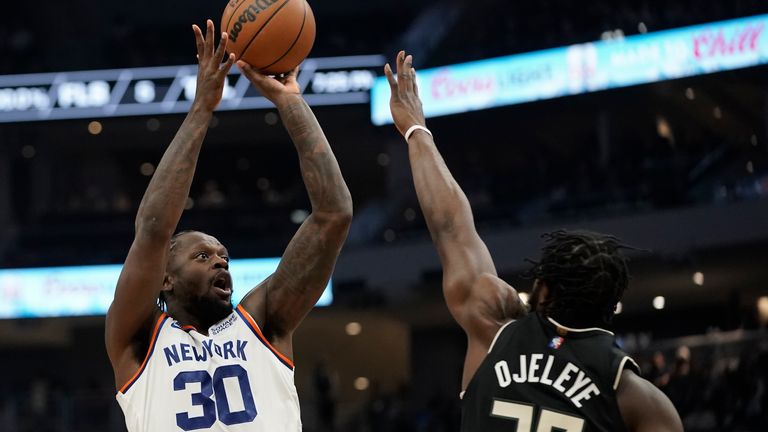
184 359
555 369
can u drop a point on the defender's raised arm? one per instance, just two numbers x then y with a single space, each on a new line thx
479 301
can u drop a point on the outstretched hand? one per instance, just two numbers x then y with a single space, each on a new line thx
278 89
211 72
404 103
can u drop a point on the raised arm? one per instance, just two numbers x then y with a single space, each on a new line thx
285 298
477 298
134 308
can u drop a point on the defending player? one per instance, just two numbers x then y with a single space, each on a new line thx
551 370
199 364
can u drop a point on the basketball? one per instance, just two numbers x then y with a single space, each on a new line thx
273 36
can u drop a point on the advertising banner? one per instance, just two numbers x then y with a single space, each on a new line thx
585 68
89 290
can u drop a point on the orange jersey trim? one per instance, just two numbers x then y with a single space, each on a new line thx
152 341
255 327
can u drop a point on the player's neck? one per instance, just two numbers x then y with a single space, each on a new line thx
575 321
186 318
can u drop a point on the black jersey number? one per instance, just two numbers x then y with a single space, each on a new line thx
548 420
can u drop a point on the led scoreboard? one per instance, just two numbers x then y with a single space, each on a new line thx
170 89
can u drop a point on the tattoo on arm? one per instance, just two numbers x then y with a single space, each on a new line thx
322 177
311 255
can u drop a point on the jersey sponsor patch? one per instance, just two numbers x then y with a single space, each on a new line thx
229 322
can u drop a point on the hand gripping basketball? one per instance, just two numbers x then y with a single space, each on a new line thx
278 89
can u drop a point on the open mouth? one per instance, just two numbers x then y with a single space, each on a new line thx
222 283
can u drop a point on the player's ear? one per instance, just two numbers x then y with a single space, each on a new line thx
167 283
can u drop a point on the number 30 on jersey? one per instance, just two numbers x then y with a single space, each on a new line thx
205 398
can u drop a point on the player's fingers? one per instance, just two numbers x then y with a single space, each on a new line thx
227 65
245 68
401 76
222 48
293 73
250 73
399 63
408 73
288 79
391 79
198 39
209 37
415 82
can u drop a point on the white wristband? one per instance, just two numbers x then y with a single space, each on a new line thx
413 129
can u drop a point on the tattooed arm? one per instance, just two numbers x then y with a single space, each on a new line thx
134 309
282 301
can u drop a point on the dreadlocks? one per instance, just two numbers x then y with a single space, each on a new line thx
586 274
161 301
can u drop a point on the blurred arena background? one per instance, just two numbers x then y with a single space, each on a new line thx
677 168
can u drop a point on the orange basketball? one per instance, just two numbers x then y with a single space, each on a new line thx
273 36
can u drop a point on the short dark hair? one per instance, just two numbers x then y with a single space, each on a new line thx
162 303
586 273
175 238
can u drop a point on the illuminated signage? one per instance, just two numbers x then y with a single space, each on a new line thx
170 89
89 290
585 68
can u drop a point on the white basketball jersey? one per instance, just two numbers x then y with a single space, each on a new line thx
231 380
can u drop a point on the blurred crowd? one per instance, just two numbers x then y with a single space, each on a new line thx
714 390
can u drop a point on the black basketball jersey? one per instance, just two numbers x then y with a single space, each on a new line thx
540 376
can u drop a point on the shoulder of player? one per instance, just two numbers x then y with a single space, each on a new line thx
491 304
496 298
637 397
137 340
146 335
128 361
255 302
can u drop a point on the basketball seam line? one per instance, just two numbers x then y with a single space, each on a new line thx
298 36
262 27
234 9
